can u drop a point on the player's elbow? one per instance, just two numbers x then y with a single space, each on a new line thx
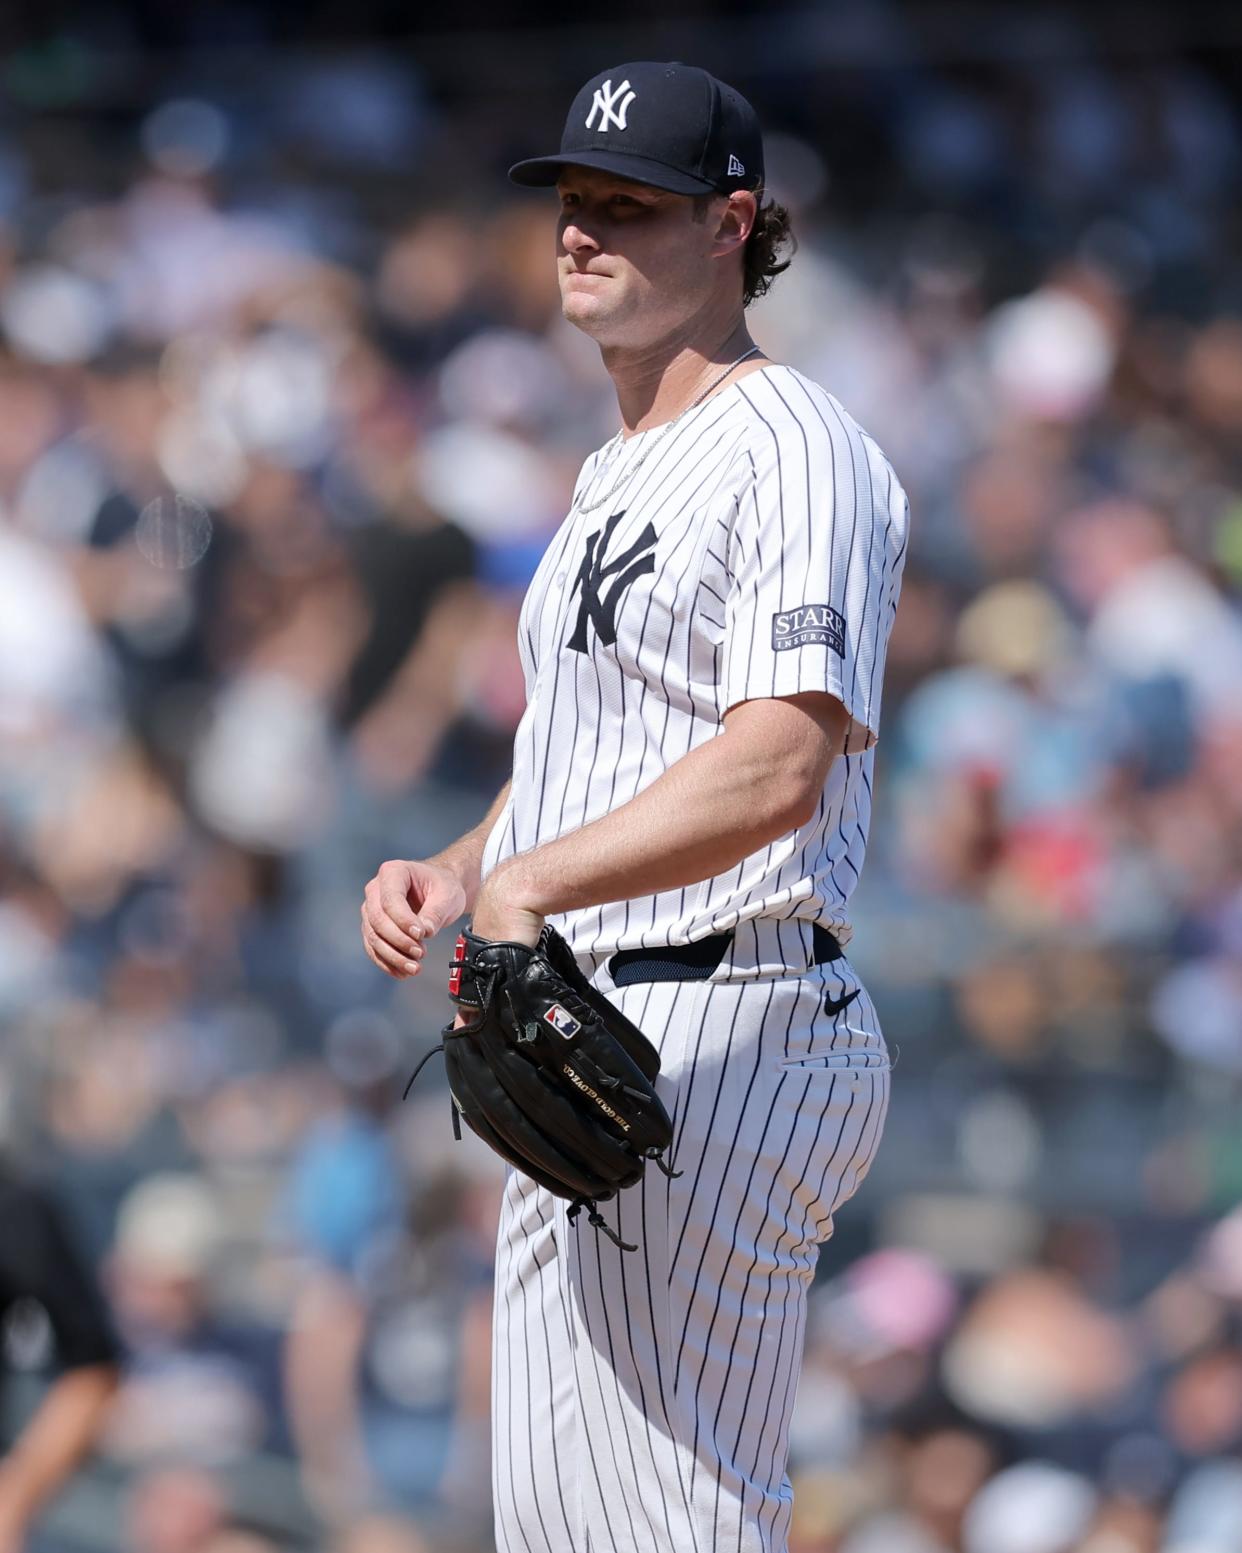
797 798
790 744
778 790
793 786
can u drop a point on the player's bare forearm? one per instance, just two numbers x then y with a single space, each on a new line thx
465 856
759 779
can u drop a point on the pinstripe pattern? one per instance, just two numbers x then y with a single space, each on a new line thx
642 1402
765 497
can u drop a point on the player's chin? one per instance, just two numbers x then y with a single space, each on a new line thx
589 306
582 309
605 325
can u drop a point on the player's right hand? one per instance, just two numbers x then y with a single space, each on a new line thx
405 904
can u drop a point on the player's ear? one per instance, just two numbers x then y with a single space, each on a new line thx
736 220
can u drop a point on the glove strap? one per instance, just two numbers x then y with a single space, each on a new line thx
596 1218
435 1051
469 983
478 963
656 1156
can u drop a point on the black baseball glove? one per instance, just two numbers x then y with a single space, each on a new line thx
545 1070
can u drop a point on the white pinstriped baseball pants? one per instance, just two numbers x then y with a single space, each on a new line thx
641 1400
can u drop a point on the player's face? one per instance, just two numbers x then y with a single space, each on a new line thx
634 263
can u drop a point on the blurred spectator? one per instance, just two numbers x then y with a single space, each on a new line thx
174 1510
383 1535
287 418
198 1387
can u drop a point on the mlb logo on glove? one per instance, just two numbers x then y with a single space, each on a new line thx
562 1022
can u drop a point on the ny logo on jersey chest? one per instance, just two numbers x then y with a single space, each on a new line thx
598 603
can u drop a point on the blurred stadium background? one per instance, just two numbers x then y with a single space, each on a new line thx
286 415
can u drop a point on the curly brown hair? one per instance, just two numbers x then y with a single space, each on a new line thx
770 235
761 261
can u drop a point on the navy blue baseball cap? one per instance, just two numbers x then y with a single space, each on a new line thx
672 126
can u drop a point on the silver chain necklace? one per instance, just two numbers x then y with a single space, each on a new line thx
611 494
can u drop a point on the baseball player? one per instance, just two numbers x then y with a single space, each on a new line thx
703 647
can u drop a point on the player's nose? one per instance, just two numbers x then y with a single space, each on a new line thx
576 236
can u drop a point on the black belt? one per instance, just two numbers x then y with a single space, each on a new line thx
696 961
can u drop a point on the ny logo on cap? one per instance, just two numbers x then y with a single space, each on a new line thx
605 104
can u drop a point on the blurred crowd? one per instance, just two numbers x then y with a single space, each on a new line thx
284 427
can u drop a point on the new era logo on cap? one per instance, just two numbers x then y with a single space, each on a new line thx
736 170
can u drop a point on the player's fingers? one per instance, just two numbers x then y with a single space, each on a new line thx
442 903
386 957
373 954
390 934
396 957
384 932
388 911
394 883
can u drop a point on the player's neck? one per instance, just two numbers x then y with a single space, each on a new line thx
655 383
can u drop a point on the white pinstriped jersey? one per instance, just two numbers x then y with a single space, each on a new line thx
756 551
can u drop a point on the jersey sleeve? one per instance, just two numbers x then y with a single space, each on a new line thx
815 556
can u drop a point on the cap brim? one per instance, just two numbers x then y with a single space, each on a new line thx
541 172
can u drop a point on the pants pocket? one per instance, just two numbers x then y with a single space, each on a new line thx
837 1062
846 1151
